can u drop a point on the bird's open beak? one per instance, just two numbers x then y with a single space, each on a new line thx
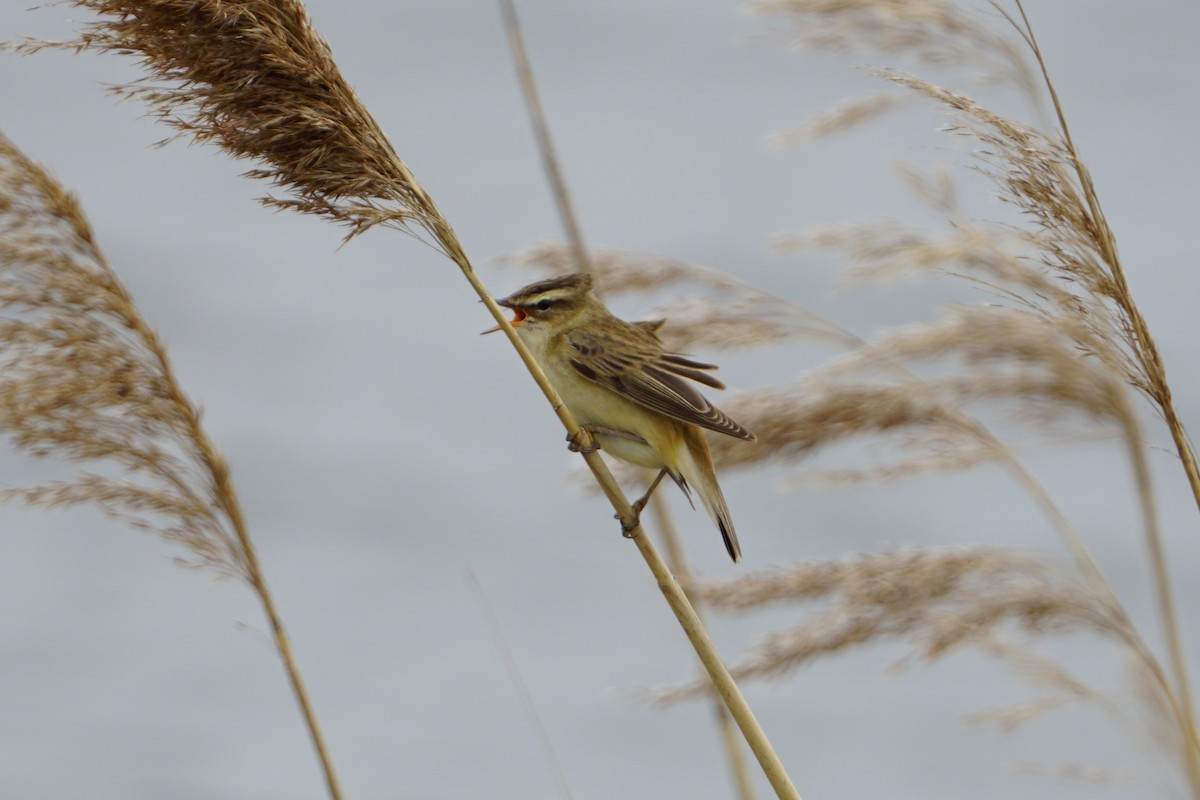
519 316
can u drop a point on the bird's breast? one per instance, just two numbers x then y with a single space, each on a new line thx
653 439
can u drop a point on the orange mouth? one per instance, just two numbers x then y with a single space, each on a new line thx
519 316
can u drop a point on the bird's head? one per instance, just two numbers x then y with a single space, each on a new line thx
551 304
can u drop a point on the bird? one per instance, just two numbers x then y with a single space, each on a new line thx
626 390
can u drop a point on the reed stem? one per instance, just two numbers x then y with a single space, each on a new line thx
227 498
541 133
693 628
1147 353
677 561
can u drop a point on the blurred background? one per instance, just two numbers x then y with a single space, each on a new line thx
382 449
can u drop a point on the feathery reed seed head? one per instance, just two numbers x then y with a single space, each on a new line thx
255 78
936 600
935 33
82 377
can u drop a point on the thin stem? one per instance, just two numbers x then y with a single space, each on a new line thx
726 687
1074 542
541 132
677 560
676 555
705 649
1183 445
1179 705
574 233
1166 604
702 643
519 686
283 645
226 498
1152 363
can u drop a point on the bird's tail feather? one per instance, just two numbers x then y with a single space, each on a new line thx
696 469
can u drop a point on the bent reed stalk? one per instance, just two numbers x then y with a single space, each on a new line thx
256 79
86 378
1158 389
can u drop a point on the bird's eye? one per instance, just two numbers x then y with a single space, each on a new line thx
544 303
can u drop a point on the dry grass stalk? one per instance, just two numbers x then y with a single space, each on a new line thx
676 559
87 380
1044 180
252 77
551 165
1158 389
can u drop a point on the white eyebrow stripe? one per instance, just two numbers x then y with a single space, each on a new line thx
549 294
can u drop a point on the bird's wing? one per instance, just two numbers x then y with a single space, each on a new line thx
636 367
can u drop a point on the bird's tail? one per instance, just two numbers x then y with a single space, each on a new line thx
696 469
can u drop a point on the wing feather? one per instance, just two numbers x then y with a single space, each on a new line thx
636 367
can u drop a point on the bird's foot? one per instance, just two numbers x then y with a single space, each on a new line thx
575 445
628 527
598 430
575 441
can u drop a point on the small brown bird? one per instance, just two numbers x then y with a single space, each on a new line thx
626 390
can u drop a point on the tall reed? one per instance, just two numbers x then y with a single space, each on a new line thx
84 378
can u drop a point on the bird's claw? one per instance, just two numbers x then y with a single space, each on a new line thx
575 443
627 528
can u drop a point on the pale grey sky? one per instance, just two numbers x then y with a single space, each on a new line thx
382 448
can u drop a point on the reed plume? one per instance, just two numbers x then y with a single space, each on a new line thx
87 380
928 34
937 601
257 80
